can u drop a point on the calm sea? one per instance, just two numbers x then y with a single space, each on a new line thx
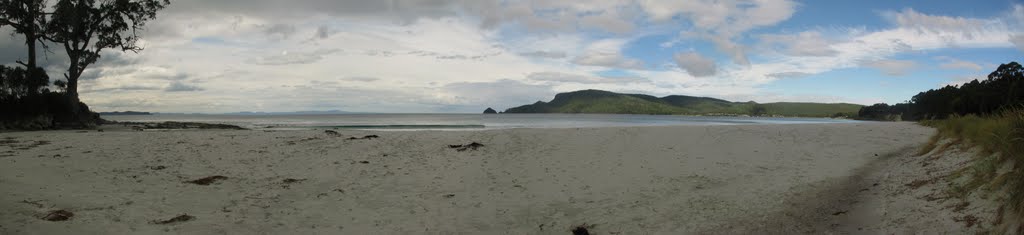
460 121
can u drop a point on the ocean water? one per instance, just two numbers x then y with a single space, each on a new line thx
460 121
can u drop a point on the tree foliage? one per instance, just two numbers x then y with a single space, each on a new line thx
86 27
27 18
15 82
1003 89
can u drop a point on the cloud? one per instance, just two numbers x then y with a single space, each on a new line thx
607 53
808 43
545 54
695 64
781 75
288 58
608 22
360 79
576 78
178 86
909 18
1018 40
123 88
953 63
608 59
892 67
505 93
280 31
322 32
722 22
949 30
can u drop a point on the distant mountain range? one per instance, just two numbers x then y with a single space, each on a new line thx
125 113
598 101
234 113
292 113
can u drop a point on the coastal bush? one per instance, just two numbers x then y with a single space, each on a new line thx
1000 135
1002 89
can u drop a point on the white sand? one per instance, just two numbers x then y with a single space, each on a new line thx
646 180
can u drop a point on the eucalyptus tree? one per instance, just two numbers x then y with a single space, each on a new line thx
26 17
87 27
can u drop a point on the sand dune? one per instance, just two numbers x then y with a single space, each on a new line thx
803 178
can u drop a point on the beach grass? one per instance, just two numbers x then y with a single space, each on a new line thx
1000 137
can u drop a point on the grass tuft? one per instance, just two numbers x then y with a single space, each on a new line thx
928 147
1000 137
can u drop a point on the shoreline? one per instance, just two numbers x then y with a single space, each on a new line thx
691 179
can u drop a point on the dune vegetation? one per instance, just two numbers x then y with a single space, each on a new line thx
1000 137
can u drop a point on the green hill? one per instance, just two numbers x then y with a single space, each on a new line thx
597 101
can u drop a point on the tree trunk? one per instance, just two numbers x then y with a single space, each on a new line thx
29 24
72 89
31 65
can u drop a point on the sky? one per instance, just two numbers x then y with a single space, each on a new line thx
462 56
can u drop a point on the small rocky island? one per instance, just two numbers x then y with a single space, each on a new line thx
490 111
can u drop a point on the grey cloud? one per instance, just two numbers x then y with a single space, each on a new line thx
123 88
560 77
111 63
91 74
280 31
788 75
695 64
288 58
437 55
901 46
606 59
173 76
534 15
403 10
323 83
180 87
381 53
608 21
360 79
545 54
576 78
322 32
1018 40
467 57
13 48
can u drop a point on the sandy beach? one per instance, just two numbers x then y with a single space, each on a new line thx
797 178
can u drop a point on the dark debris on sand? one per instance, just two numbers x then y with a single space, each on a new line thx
207 180
290 180
176 219
58 215
464 147
364 137
331 133
140 126
582 229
